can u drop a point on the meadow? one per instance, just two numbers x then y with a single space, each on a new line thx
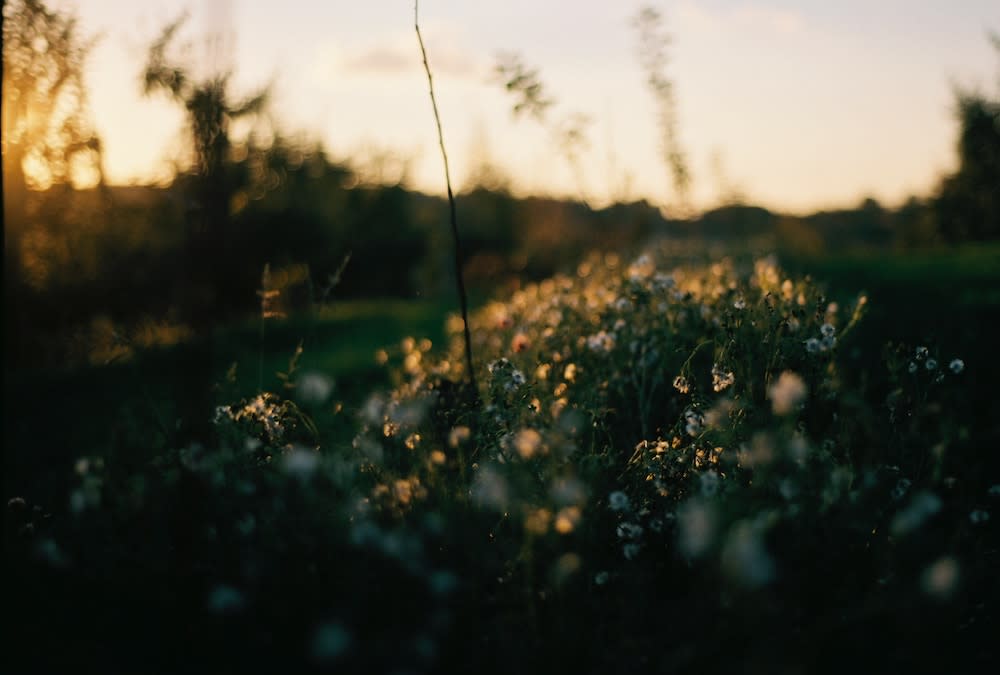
671 468
249 425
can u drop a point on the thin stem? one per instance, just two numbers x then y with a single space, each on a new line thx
460 280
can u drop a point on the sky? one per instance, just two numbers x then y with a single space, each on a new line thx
795 105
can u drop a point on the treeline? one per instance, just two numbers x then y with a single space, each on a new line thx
283 223
133 255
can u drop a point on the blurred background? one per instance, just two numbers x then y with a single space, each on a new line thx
175 169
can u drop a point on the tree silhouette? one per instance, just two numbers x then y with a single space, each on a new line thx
968 201
47 138
210 108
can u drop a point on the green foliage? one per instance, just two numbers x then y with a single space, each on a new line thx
663 460
968 201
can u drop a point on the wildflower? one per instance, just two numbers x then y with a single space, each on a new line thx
537 522
458 435
629 531
567 519
979 516
601 342
631 550
314 388
912 368
956 366
601 578
527 442
681 384
694 422
921 353
812 345
828 342
941 577
569 372
517 378
520 343
618 501
740 303
300 463
827 330
931 364
787 393
696 528
721 379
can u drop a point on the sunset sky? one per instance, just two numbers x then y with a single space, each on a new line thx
797 104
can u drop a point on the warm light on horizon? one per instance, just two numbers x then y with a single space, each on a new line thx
794 109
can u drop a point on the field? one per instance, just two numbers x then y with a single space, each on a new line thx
639 484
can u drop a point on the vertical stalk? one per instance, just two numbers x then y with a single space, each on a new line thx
459 278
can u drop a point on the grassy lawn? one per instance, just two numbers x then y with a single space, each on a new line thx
53 418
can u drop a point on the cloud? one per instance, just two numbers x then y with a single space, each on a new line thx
399 55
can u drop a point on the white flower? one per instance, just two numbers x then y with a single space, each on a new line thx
979 516
618 501
694 422
787 393
827 330
812 345
601 578
601 342
931 364
696 528
300 462
921 353
629 531
314 388
740 303
956 366
912 368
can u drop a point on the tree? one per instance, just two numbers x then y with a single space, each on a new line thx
47 138
211 108
968 201
45 126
